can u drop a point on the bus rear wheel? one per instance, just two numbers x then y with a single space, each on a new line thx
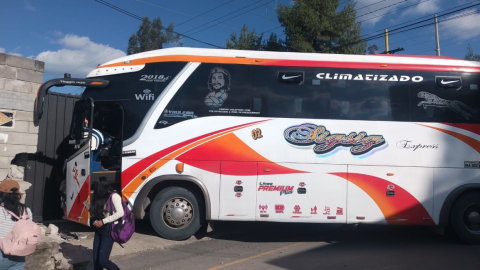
465 218
175 213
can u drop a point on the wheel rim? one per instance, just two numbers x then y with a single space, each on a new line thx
471 218
177 213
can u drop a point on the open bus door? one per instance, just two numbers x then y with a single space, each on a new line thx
78 165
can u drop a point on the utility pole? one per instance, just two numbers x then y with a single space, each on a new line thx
386 40
436 37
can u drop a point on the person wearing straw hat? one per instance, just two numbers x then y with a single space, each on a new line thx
10 196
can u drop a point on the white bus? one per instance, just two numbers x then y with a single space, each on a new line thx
193 135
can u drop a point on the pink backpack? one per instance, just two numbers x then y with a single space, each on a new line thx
23 238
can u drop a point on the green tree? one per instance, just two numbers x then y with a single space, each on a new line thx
470 55
318 26
372 49
248 40
152 36
273 43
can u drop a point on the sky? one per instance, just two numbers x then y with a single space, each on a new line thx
74 36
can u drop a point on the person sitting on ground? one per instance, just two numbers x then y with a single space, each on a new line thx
10 196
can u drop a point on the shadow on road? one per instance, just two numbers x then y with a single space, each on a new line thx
365 247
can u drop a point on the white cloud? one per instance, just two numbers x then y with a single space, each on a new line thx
462 28
424 7
29 6
14 52
78 56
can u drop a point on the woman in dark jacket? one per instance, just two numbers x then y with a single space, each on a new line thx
103 242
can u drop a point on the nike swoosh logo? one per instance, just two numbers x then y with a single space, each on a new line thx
448 82
289 77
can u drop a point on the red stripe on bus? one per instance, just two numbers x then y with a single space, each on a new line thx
403 208
130 173
475 128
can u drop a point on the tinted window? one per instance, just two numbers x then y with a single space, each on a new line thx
331 93
446 97
136 92
212 90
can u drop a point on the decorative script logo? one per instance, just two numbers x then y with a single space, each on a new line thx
325 142
406 144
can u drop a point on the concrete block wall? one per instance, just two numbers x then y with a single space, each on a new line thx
20 79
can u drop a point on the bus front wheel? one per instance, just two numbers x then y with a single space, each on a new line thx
465 218
175 213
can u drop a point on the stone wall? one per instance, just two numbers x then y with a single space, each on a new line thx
20 79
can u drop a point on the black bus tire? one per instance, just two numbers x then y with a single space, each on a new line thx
167 213
465 214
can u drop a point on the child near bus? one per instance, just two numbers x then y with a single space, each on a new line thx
10 200
103 242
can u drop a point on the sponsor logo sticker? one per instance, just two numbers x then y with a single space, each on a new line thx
284 190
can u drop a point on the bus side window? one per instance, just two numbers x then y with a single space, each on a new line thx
453 103
212 90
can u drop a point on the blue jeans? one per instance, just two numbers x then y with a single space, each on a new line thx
11 262
102 247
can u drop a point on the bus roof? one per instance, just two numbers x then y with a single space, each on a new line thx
135 62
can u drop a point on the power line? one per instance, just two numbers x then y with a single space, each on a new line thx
355 10
181 13
392 32
226 15
208 11
394 4
444 36
426 16
443 46
261 16
230 18
366 6
141 19
393 11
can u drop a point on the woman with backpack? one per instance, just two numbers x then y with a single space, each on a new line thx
103 242
10 201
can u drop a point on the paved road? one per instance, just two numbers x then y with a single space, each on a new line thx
311 246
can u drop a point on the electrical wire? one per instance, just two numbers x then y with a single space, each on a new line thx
208 11
226 15
392 32
201 30
181 13
141 19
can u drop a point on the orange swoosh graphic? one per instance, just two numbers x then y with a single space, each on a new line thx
230 148
137 181
475 144
401 206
